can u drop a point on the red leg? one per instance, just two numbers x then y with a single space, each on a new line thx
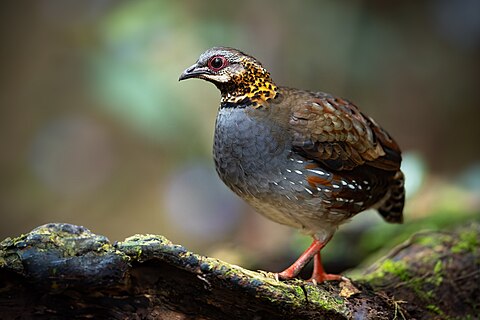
292 271
319 274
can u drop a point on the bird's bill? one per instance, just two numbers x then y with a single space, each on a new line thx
194 72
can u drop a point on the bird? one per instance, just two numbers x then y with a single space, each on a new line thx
305 159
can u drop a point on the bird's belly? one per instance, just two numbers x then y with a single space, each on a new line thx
310 215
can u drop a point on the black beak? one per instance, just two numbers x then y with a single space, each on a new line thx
193 72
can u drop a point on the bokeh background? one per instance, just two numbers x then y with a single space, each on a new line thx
96 130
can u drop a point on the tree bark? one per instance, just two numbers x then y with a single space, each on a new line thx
63 271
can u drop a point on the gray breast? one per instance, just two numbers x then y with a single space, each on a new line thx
247 151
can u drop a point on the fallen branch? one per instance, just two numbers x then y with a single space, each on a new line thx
62 271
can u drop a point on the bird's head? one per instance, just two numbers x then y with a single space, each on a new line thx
239 77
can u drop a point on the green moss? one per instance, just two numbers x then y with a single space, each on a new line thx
437 277
430 240
468 242
435 309
396 268
316 295
400 270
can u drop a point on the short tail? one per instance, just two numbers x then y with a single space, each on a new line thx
392 209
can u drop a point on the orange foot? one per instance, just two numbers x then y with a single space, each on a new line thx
313 252
319 275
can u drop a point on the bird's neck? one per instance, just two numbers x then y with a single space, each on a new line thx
254 87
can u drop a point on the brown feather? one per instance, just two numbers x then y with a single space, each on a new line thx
334 132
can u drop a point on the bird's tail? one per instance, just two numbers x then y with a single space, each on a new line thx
392 209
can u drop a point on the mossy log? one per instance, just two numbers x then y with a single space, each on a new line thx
63 271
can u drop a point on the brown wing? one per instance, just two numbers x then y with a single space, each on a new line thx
334 132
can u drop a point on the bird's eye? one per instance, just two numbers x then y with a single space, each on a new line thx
216 63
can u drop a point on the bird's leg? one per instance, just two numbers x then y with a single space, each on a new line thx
319 275
292 271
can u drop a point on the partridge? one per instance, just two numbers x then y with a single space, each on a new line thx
304 159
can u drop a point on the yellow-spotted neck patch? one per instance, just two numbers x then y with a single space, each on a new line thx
252 87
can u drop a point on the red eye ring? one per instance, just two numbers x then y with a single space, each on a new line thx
217 62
